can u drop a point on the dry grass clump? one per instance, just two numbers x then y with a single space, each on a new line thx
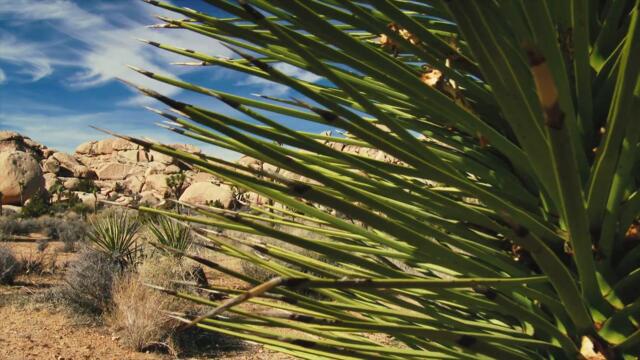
137 310
136 314
164 270
39 263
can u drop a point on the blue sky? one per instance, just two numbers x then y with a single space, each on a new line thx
59 60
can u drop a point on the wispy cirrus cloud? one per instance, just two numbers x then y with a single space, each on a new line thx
96 44
271 88
109 44
33 64
61 10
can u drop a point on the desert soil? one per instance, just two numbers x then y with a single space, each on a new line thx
33 329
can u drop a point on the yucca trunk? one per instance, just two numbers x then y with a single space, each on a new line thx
496 217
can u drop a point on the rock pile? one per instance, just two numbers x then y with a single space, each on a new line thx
122 171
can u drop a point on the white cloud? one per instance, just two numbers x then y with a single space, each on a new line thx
297 73
3 77
61 10
274 89
32 62
108 43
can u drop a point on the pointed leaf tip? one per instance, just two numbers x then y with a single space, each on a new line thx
129 83
141 71
153 110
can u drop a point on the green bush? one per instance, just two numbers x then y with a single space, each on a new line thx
39 204
87 186
175 182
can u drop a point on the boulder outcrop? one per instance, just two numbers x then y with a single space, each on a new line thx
124 172
21 177
121 170
206 193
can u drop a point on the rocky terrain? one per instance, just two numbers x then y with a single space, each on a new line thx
122 171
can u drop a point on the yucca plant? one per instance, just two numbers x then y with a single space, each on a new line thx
115 234
168 233
500 225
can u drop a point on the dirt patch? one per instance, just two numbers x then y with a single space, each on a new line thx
33 333
32 329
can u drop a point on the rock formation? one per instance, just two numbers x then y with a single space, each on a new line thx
121 170
207 193
20 177
124 172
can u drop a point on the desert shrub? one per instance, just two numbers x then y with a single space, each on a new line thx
176 183
24 226
82 209
38 205
39 263
46 225
216 204
9 266
72 200
69 230
57 188
136 316
170 272
87 185
115 235
135 313
42 245
7 227
72 232
88 282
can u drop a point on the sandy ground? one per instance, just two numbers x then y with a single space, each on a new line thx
31 329
31 333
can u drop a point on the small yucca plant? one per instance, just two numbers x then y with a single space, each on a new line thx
170 235
116 235
501 223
